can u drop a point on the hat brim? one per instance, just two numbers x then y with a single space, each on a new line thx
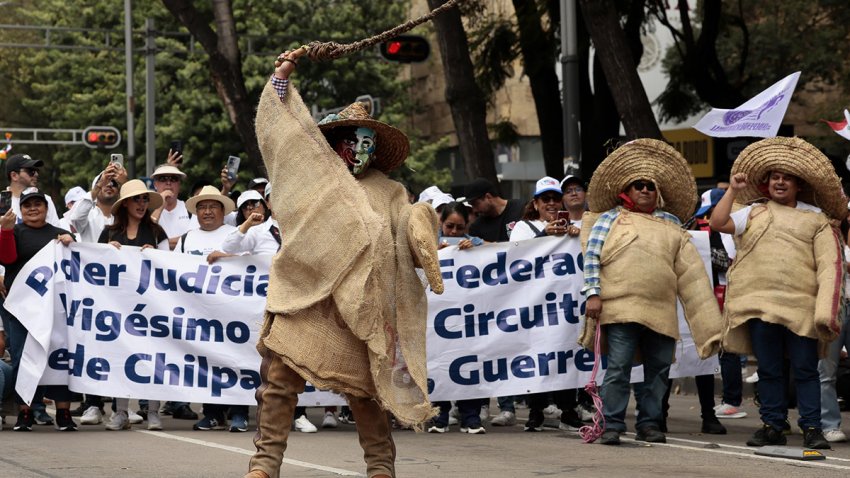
704 209
546 190
192 203
392 148
796 157
649 159
154 204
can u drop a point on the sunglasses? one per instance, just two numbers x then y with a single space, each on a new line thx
142 198
549 198
167 179
639 185
29 171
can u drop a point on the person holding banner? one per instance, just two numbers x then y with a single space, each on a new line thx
133 226
643 191
797 194
347 315
18 244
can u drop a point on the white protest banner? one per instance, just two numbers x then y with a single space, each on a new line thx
761 116
510 317
143 324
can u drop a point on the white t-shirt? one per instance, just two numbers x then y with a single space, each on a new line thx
88 220
741 217
201 243
258 240
177 221
523 231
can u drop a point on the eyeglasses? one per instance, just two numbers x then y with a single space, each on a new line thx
639 185
252 204
550 198
29 171
167 179
576 189
142 198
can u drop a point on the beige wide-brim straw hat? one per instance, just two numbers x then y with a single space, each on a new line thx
135 187
797 157
210 193
644 159
392 146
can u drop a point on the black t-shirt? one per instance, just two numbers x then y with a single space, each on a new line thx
498 229
147 235
28 241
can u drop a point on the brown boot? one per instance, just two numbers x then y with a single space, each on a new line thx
276 400
375 433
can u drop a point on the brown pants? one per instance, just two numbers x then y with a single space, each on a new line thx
276 400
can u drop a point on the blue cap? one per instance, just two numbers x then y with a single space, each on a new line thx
710 199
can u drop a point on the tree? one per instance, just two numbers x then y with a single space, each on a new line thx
464 96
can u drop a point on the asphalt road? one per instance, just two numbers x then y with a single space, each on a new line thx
502 452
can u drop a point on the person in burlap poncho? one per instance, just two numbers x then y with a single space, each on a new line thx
346 309
784 286
637 261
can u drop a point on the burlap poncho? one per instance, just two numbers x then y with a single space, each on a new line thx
788 271
646 263
345 307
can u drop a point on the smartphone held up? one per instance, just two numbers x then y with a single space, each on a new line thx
117 159
5 201
232 167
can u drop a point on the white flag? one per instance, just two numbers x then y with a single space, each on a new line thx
841 128
760 116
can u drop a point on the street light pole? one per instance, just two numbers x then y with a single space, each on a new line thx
150 96
131 100
570 87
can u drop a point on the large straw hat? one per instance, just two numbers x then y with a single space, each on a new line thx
210 193
799 158
392 146
135 187
644 159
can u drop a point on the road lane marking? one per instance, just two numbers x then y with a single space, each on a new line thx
242 451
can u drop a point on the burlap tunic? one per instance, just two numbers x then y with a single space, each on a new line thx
647 262
788 271
345 307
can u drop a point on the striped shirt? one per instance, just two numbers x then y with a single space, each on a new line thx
598 234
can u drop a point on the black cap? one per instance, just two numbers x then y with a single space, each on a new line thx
257 182
30 193
478 188
18 161
572 179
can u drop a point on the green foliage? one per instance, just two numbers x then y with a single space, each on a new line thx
52 88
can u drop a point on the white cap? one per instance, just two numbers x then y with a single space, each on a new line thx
429 194
547 184
249 195
441 200
74 194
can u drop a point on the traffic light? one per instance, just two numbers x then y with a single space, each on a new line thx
406 49
106 137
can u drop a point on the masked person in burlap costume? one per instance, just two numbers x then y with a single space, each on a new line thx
637 261
346 309
785 285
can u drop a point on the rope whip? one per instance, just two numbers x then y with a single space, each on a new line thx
590 433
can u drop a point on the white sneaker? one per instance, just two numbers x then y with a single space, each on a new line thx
484 414
504 419
437 429
835 435
303 425
92 416
154 421
119 421
552 411
473 431
724 410
585 413
752 378
330 420
134 417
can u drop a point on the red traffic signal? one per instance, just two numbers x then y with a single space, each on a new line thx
406 49
106 137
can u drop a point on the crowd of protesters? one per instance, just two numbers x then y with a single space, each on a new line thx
217 223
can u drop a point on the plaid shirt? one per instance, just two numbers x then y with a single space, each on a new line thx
598 234
280 86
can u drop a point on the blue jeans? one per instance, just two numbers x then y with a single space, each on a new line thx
828 367
771 344
469 413
730 372
657 353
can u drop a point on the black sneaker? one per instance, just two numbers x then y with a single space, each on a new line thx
650 434
712 426
813 438
767 435
64 422
570 421
610 437
25 421
535 421
143 412
78 412
183 412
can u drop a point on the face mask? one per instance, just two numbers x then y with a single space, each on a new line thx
357 150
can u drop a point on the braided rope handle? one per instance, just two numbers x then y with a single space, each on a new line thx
324 51
590 433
